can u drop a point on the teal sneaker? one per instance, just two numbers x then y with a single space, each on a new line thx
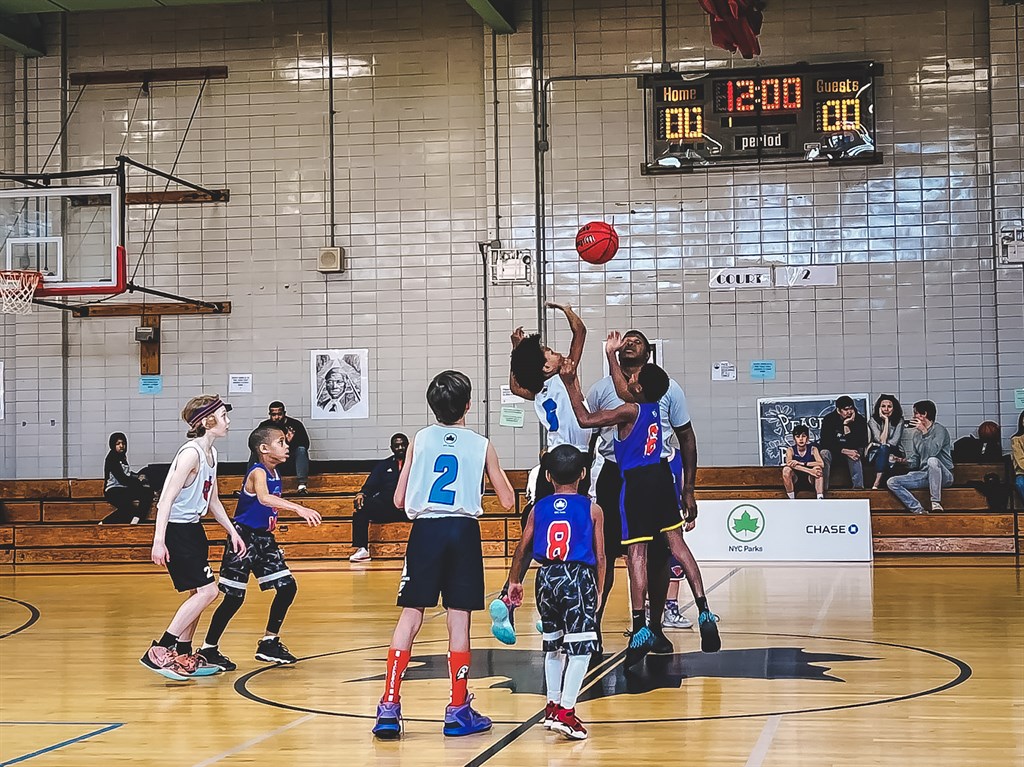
502 627
710 641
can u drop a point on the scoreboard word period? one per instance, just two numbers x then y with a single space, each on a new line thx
727 117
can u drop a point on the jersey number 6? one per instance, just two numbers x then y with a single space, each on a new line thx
558 540
448 467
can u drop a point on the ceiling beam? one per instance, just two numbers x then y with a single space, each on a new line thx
23 34
497 14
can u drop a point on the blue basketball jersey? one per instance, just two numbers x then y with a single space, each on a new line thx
563 530
250 512
643 445
806 458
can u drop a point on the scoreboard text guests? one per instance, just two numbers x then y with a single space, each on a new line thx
797 113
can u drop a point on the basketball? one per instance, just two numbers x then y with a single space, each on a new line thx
988 431
597 242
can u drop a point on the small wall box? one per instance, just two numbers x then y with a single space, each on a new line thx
330 260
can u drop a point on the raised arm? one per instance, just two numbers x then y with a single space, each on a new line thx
579 330
499 480
611 348
624 414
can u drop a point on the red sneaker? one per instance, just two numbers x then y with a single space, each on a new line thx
569 724
550 714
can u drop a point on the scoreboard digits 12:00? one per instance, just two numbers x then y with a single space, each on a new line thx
798 113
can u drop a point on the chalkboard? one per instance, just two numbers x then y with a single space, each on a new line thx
777 416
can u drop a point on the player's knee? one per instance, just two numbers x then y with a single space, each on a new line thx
208 593
787 472
933 463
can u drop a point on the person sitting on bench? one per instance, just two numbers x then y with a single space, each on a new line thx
127 492
376 500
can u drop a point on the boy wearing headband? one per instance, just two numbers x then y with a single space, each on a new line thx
179 541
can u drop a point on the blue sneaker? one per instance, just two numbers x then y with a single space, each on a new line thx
641 642
501 621
710 641
389 721
540 627
463 720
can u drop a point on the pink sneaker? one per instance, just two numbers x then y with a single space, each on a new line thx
164 661
194 664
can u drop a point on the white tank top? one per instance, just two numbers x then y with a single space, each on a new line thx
554 409
446 478
194 499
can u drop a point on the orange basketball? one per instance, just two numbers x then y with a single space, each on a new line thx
597 242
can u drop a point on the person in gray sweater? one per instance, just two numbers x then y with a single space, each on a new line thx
931 459
885 432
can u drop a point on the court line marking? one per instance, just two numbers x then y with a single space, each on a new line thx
34 615
826 606
764 742
595 676
253 741
62 744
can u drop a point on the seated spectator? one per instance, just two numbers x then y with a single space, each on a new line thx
931 461
803 467
986 447
298 444
1017 455
885 433
375 502
844 431
127 492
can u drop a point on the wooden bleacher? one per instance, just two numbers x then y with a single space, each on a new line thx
54 520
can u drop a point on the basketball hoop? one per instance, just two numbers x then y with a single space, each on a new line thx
16 291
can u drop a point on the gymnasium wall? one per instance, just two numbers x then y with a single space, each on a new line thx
915 312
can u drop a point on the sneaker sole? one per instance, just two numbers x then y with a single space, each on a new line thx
164 672
275 661
501 627
207 671
387 733
360 559
633 657
710 639
451 734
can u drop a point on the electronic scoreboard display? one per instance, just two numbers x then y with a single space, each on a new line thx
725 117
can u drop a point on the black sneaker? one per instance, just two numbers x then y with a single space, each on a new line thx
661 646
213 656
273 651
710 640
640 643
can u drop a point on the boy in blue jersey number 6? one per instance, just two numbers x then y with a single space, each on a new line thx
565 534
256 520
440 489
649 499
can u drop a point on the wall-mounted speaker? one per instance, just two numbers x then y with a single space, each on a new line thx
330 260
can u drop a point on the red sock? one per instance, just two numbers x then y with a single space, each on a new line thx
458 668
398 660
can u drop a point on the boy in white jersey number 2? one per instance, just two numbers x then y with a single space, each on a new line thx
441 489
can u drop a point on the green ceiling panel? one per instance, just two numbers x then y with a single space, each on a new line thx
13 7
22 34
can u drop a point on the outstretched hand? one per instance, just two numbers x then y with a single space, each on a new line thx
613 343
568 369
517 336
561 307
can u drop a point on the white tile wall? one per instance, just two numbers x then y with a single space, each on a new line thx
914 313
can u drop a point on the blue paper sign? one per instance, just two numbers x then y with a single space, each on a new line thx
762 370
151 384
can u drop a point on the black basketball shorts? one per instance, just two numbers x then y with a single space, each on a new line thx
263 557
650 503
189 566
566 594
609 498
443 559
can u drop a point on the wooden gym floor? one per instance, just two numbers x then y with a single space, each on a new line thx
909 663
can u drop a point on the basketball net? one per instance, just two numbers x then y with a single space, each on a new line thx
16 291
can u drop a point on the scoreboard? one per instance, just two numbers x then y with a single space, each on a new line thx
763 115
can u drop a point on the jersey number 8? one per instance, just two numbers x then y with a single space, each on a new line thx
559 532
448 467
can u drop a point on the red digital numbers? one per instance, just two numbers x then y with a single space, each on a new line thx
770 94
559 532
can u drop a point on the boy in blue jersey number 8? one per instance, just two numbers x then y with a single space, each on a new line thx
565 534
440 489
649 499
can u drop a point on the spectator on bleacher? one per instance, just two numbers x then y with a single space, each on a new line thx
1017 455
844 431
123 489
298 444
803 467
375 502
885 433
930 458
985 447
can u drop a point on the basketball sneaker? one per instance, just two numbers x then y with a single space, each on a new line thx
274 651
550 714
361 555
213 656
673 619
662 645
936 506
463 720
710 641
388 725
502 623
164 661
640 643
194 665
569 724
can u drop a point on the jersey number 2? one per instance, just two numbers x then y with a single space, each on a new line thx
448 467
558 540
549 408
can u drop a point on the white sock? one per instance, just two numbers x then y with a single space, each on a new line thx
207 646
575 670
268 637
792 496
554 666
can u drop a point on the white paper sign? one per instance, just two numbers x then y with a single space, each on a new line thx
804 276
782 531
736 278
508 398
239 383
723 371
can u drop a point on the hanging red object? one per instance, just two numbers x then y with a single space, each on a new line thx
735 25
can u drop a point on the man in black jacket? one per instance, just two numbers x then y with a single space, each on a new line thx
844 431
298 444
376 500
